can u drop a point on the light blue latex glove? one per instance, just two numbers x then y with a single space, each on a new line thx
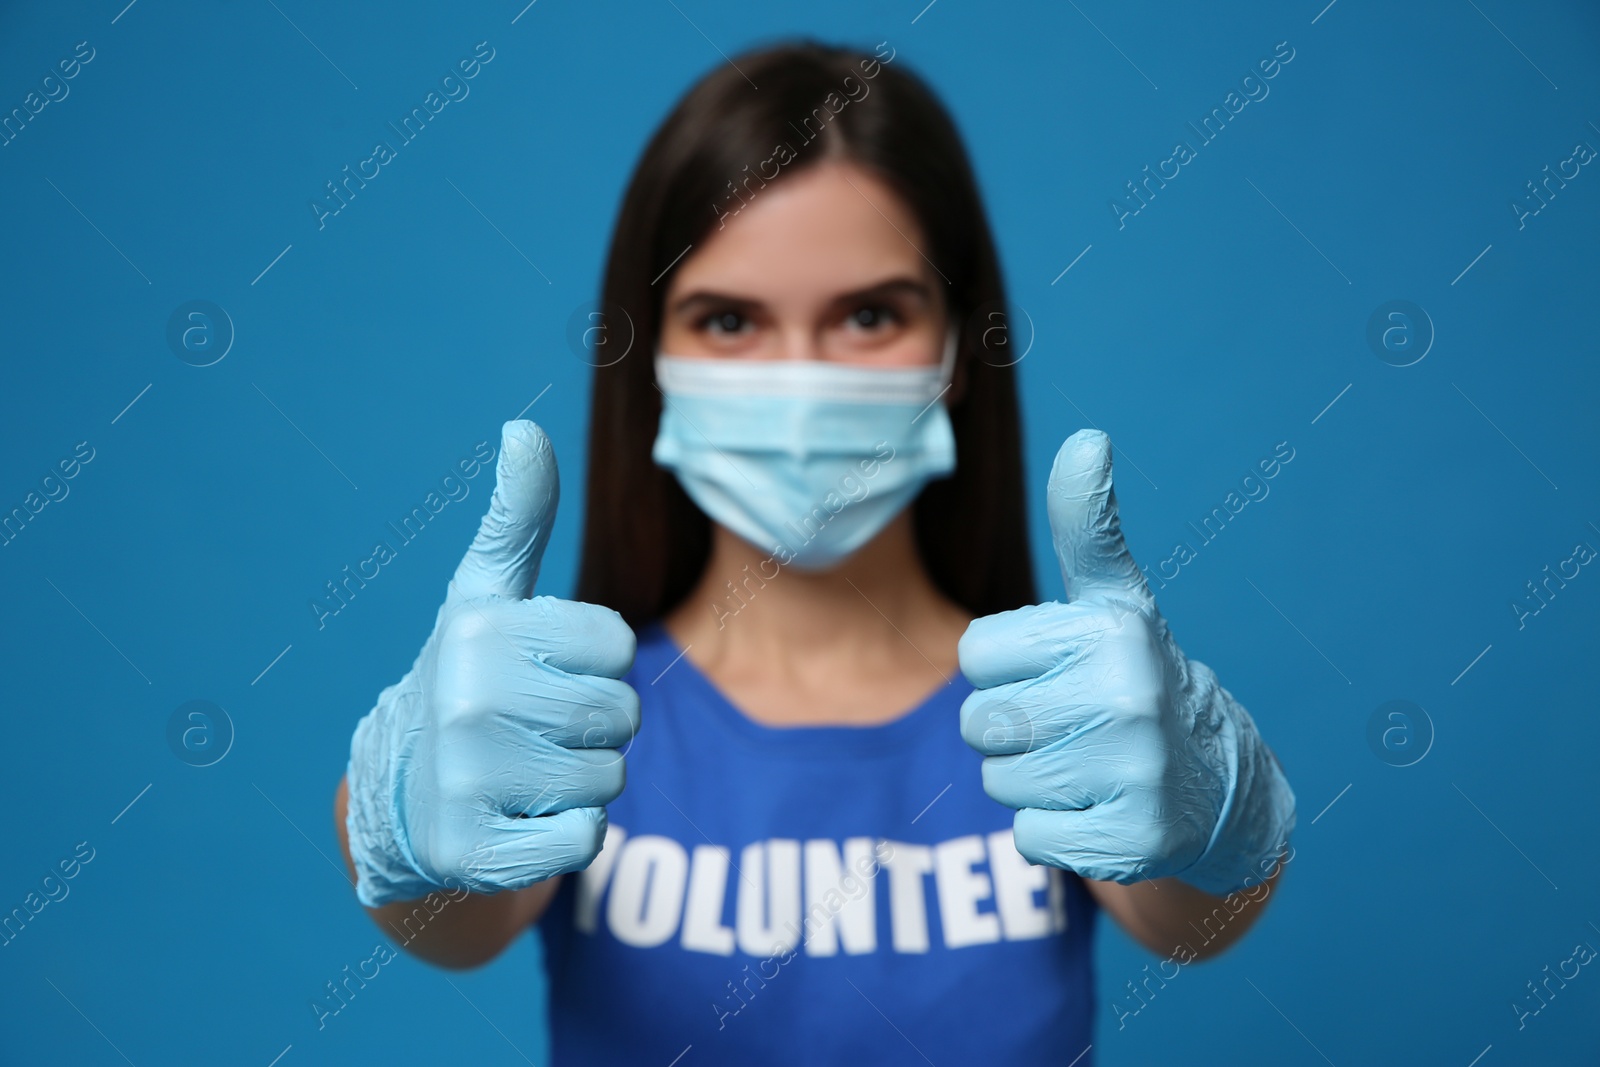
1124 759
514 708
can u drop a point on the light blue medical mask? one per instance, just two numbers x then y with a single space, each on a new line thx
805 459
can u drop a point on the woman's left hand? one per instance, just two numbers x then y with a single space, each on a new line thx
1124 759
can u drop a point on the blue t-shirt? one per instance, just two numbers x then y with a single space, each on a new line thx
811 895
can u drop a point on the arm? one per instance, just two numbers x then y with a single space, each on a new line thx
483 774
1164 913
1126 761
466 931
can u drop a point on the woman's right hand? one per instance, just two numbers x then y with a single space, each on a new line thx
489 764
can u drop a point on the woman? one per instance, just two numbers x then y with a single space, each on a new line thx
806 570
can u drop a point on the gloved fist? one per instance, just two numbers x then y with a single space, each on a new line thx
1124 759
490 762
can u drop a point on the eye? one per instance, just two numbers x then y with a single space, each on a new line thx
873 316
723 321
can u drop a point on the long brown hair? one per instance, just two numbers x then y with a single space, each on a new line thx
645 543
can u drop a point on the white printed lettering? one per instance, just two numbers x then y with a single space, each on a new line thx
908 910
592 882
1015 883
767 910
843 898
702 918
647 891
960 890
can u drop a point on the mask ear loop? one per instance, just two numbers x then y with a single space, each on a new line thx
947 364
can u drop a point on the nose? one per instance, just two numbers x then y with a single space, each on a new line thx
802 340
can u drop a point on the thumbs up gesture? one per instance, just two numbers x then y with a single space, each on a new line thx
1124 759
490 762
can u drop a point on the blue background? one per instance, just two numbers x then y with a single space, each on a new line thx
377 351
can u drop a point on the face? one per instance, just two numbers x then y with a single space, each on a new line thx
823 265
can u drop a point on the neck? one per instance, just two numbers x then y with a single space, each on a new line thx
747 607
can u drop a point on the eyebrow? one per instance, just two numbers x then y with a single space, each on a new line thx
887 287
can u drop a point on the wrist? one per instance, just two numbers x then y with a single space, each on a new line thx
1258 814
386 869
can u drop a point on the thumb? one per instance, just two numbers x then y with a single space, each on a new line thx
1084 524
505 554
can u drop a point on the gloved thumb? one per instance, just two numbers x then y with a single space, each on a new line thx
505 555
1084 524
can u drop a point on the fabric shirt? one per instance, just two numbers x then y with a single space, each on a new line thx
811 895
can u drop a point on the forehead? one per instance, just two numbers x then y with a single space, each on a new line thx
830 229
